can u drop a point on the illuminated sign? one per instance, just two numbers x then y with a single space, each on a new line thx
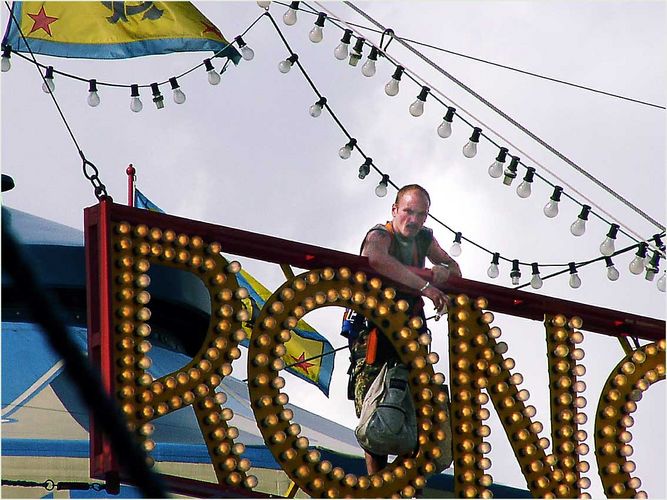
122 245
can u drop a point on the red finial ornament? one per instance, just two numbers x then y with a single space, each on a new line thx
130 171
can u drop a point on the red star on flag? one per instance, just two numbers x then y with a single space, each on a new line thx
42 21
211 28
301 362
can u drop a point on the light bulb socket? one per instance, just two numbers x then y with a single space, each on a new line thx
655 261
476 132
373 56
49 73
536 268
158 98
658 241
347 36
92 85
208 65
7 51
321 102
496 258
294 5
351 144
174 83
293 58
423 94
530 173
516 272
457 237
585 210
398 73
502 155
365 169
556 194
134 90
385 180
239 40
320 19
449 116
359 45
608 261
573 267
613 231
641 250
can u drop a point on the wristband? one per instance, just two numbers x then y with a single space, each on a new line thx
425 287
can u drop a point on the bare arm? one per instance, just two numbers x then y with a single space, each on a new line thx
438 256
376 248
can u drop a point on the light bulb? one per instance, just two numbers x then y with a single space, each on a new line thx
496 168
381 188
213 76
135 103
316 109
575 280
578 227
455 249
536 280
177 94
607 246
346 151
289 17
286 65
264 5
470 149
551 208
6 64
524 189
612 272
637 265
341 51
510 171
93 96
368 69
515 274
392 87
247 53
49 85
493 271
316 35
417 107
445 128
662 283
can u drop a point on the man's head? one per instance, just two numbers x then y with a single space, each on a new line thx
410 209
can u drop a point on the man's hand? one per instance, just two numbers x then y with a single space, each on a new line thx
439 299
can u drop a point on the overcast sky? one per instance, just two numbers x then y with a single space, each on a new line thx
247 154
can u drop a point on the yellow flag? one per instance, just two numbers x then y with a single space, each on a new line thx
113 30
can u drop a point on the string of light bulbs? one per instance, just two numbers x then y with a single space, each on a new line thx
470 149
291 13
136 105
316 35
444 130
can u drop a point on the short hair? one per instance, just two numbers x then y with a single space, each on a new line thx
412 187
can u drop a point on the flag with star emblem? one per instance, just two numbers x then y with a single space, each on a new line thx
304 349
113 30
